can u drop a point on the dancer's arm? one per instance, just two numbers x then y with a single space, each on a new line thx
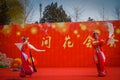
32 47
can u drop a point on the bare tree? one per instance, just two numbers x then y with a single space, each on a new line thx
116 12
77 12
28 9
102 13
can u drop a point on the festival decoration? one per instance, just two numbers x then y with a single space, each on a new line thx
73 38
5 62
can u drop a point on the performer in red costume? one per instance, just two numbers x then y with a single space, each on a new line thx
99 57
25 47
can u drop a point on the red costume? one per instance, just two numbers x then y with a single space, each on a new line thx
27 68
25 47
99 57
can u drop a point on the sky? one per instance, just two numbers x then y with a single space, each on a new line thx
89 8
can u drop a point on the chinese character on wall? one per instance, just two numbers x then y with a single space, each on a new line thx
112 42
46 41
88 41
68 43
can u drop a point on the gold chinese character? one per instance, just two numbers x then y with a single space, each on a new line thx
112 41
88 41
68 42
46 41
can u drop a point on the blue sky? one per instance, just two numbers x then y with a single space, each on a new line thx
91 8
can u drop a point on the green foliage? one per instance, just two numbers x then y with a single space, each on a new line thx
15 11
3 66
11 11
53 13
4 18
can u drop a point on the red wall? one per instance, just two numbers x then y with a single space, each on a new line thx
64 42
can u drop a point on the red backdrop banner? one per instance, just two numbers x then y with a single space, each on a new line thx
66 44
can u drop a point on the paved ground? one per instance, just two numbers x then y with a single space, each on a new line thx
113 73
